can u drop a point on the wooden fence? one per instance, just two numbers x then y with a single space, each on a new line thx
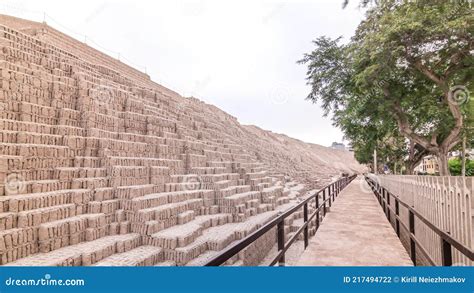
446 201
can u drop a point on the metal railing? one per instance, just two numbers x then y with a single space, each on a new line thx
329 194
447 241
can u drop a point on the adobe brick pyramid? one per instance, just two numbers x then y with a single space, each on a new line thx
101 166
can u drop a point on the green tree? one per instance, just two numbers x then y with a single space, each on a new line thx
367 132
455 167
409 64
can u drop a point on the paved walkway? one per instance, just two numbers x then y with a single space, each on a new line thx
355 233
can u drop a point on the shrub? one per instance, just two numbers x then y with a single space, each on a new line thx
455 166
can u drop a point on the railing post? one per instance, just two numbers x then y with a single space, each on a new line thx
305 219
382 192
330 198
397 222
317 212
388 209
281 241
334 190
380 195
411 221
324 199
446 253
388 205
374 188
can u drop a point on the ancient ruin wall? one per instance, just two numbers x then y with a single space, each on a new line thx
99 165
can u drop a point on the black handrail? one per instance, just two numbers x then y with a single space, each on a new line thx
333 190
447 241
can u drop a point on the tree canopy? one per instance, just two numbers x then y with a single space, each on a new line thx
406 73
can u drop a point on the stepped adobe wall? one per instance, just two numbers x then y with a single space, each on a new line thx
99 165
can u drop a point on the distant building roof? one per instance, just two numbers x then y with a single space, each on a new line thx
338 146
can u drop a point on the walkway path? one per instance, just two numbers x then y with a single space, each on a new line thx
355 233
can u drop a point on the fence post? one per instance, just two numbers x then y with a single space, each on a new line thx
397 222
382 192
281 241
317 211
324 199
411 220
329 199
334 190
446 253
305 219
388 205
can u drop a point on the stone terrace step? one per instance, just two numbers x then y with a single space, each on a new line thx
231 190
182 235
162 198
166 211
140 256
25 202
72 230
82 254
217 238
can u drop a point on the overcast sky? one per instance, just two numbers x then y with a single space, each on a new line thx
238 55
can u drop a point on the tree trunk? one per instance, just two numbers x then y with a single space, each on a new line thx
443 163
414 158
